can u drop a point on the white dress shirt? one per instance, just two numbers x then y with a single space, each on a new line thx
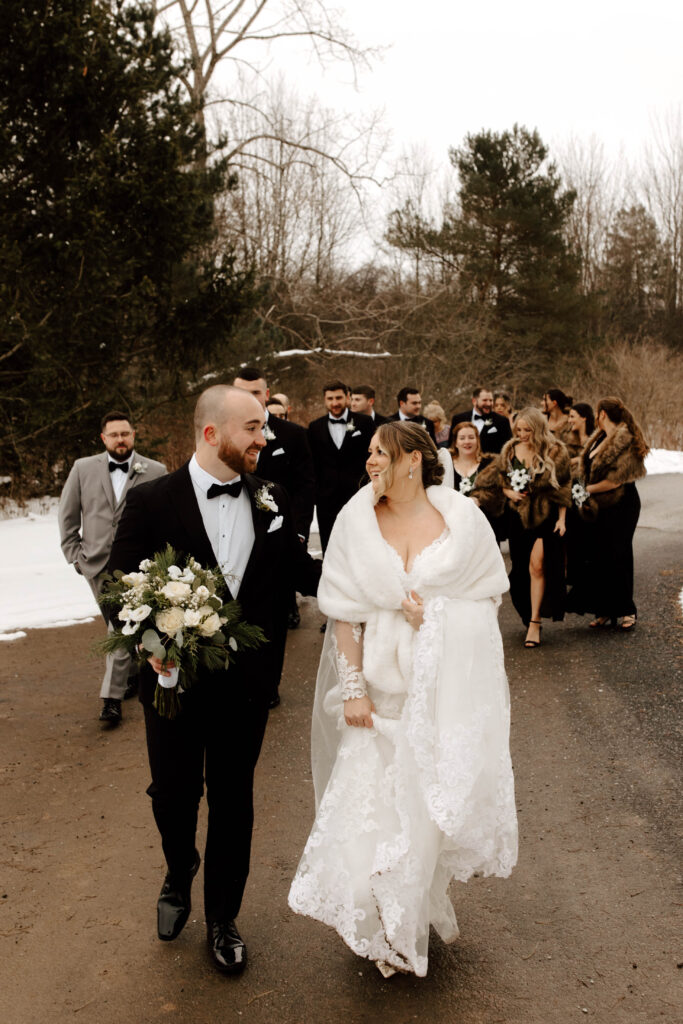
228 523
479 423
337 430
118 479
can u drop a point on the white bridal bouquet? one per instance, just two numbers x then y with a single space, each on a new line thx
176 613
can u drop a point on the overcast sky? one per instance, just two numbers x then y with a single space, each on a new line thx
601 67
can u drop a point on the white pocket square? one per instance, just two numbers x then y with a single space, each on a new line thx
493 430
278 451
276 524
356 433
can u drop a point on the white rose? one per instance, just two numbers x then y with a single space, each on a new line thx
202 592
176 591
129 628
141 613
188 576
192 617
134 579
175 572
205 610
126 613
170 620
145 564
210 625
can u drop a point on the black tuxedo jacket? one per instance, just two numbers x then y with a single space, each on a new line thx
287 460
427 424
165 511
492 438
339 471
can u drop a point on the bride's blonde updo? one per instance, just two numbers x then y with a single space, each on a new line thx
398 438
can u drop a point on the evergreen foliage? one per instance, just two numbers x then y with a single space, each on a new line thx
106 205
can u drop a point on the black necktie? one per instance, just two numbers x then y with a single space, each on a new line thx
118 465
232 489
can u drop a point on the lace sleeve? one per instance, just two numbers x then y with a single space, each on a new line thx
348 651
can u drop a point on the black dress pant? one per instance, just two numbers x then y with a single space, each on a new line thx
216 739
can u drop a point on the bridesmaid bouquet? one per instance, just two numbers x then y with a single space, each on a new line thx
519 477
579 494
177 614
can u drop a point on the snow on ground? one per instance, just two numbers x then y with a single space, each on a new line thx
38 589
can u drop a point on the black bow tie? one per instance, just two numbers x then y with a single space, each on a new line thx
478 416
118 465
413 419
232 489
333 419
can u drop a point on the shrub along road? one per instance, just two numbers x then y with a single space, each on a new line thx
584 928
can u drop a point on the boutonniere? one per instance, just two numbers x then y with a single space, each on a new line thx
139 467
488 423
268 433
350 426
265 500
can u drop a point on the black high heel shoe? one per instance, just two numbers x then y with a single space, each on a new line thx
534 643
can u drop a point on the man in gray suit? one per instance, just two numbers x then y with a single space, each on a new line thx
90 508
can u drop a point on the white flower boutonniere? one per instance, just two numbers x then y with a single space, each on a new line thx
466 484
268 433
265 500
488 423
350 427
139 467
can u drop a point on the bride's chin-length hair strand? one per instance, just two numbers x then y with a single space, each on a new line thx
399 438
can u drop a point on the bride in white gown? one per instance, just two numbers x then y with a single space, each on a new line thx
411 762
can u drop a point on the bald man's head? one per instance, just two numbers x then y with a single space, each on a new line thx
217 404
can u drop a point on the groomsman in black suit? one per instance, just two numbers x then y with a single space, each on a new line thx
494 429
339 443
409 410
213 509
363 400
287 460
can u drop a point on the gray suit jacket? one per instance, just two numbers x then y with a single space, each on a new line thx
89 512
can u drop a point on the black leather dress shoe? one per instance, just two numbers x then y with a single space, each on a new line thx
174 904
293 620
111 711
227 948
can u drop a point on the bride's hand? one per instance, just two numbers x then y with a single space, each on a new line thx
358 711
413 609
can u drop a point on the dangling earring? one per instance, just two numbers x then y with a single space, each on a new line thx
410 473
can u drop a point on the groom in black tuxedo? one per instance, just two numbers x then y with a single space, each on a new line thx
339 443
494 429
212 508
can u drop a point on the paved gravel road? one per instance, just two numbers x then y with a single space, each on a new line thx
584 929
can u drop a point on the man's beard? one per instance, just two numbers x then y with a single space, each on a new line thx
235 459
119 456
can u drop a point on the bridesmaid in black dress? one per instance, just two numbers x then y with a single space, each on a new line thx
612 460
468 462
468 458
530 480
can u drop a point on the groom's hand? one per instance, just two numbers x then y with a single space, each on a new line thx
161 667
359 712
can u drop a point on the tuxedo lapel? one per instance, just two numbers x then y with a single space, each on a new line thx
187 510
105 480
260 520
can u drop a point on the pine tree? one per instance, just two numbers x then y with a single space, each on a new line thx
106 209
